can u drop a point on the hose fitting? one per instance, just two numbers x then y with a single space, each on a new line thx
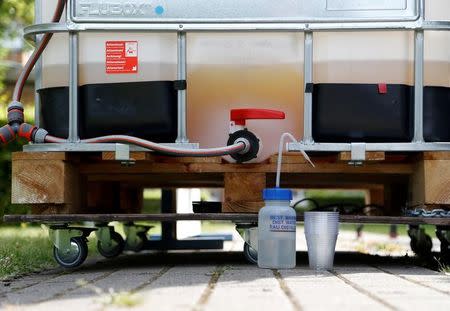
27 131
39 136
15 115
7 134
32 133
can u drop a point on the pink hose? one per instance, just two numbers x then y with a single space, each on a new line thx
210 152
23 77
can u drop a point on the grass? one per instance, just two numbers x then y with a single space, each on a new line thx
111 298
25 250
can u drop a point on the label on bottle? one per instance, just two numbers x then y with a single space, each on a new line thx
121 57
282 223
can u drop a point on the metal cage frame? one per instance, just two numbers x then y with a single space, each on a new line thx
73 26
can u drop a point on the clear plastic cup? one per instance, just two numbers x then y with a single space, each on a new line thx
321 231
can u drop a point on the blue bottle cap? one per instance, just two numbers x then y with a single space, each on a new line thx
277 194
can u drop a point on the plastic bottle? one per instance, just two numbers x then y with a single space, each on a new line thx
276 231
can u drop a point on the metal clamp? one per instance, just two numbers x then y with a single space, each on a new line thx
122 154
358 154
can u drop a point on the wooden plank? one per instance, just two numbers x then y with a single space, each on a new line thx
134 155
430 183
253 217
442 155
113 167
289 158
40 156
370 156
46 182
243 192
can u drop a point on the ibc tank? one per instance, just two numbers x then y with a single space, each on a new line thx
256 70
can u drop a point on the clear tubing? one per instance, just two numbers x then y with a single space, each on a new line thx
280 155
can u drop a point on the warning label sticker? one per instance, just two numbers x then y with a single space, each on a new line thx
282 223
121 57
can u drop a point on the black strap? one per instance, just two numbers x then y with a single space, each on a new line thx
309 87
180 85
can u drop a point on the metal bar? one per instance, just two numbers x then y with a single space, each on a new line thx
83 147
418 85
388 147
34 30
244 218
308 96
181 75
37 68
73 87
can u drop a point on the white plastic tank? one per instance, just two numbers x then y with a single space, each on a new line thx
255 70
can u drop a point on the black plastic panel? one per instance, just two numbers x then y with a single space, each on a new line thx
360 113
436 114
143 109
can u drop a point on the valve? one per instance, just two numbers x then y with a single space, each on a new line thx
240 133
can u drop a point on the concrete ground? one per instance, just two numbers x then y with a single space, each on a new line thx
224 281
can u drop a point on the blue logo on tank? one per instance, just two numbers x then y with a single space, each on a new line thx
159 10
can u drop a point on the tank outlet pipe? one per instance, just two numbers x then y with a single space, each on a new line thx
280 155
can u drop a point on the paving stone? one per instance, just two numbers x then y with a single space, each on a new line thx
247 287
179 289
324 291
438 281
394 291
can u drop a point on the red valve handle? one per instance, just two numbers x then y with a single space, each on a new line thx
239 116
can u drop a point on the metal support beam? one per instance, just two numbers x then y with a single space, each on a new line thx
37 67
308 96
73 87
182 64
418 85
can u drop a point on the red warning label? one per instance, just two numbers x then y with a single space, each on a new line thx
121 57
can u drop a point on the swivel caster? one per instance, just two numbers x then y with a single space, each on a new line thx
72 256
136 237
250 254
110 244
249 232
421 243
443 234
69 245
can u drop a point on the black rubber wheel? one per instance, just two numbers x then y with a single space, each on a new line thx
422 249
445 248
75 257
140 246
250 254
114 249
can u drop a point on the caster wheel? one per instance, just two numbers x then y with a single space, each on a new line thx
112 249
75 256
422 248
138 244
250 254
445 247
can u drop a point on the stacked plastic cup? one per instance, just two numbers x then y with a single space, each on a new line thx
321 231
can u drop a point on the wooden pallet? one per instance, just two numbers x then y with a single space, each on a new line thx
77 183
